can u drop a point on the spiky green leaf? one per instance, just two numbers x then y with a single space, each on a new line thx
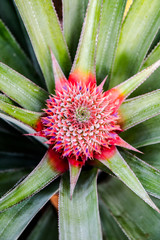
151 155
42 175
73 17
121 169
45 32
13 221
127 87
153 82
9 16
46 228
139 109
9 178
13 56
111 230
136 219
110 24
21 90
137 34
27 117
148 175
79 217
143 134
85 56
74 175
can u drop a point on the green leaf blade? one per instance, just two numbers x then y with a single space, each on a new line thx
79 217
13 56
134 39
127 87
21 90
110 24
120 168
153 82
73 17
42 175
148 175
10 177
27 117
44 30
143 134
111 230
136 218
46 228
15 220
85 56
139 109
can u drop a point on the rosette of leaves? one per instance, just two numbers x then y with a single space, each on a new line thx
108 177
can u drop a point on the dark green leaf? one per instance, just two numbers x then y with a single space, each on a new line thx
17 160
111 230
151 155
13 56
153 82
41 176
85 56
136 218
10 177
143 134
14 220
46 228
121 169
8 14
148 176
18 143
27 117
128 86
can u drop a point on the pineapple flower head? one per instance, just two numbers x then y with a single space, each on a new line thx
81 121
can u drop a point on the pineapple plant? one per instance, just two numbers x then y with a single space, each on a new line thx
79 118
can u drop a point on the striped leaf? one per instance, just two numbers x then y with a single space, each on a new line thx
45 33
137 34
79 217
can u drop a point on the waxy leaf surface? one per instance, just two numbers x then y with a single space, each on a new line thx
139 109
14 220
21 90
73 16
110 24
41 176
137 33
121 169
136 218
45 33
79 217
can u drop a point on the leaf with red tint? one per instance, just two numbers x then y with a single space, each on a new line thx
106 153
81 77
116 140
59 77
75 171
58 163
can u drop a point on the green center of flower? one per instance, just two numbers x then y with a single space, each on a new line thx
82 114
